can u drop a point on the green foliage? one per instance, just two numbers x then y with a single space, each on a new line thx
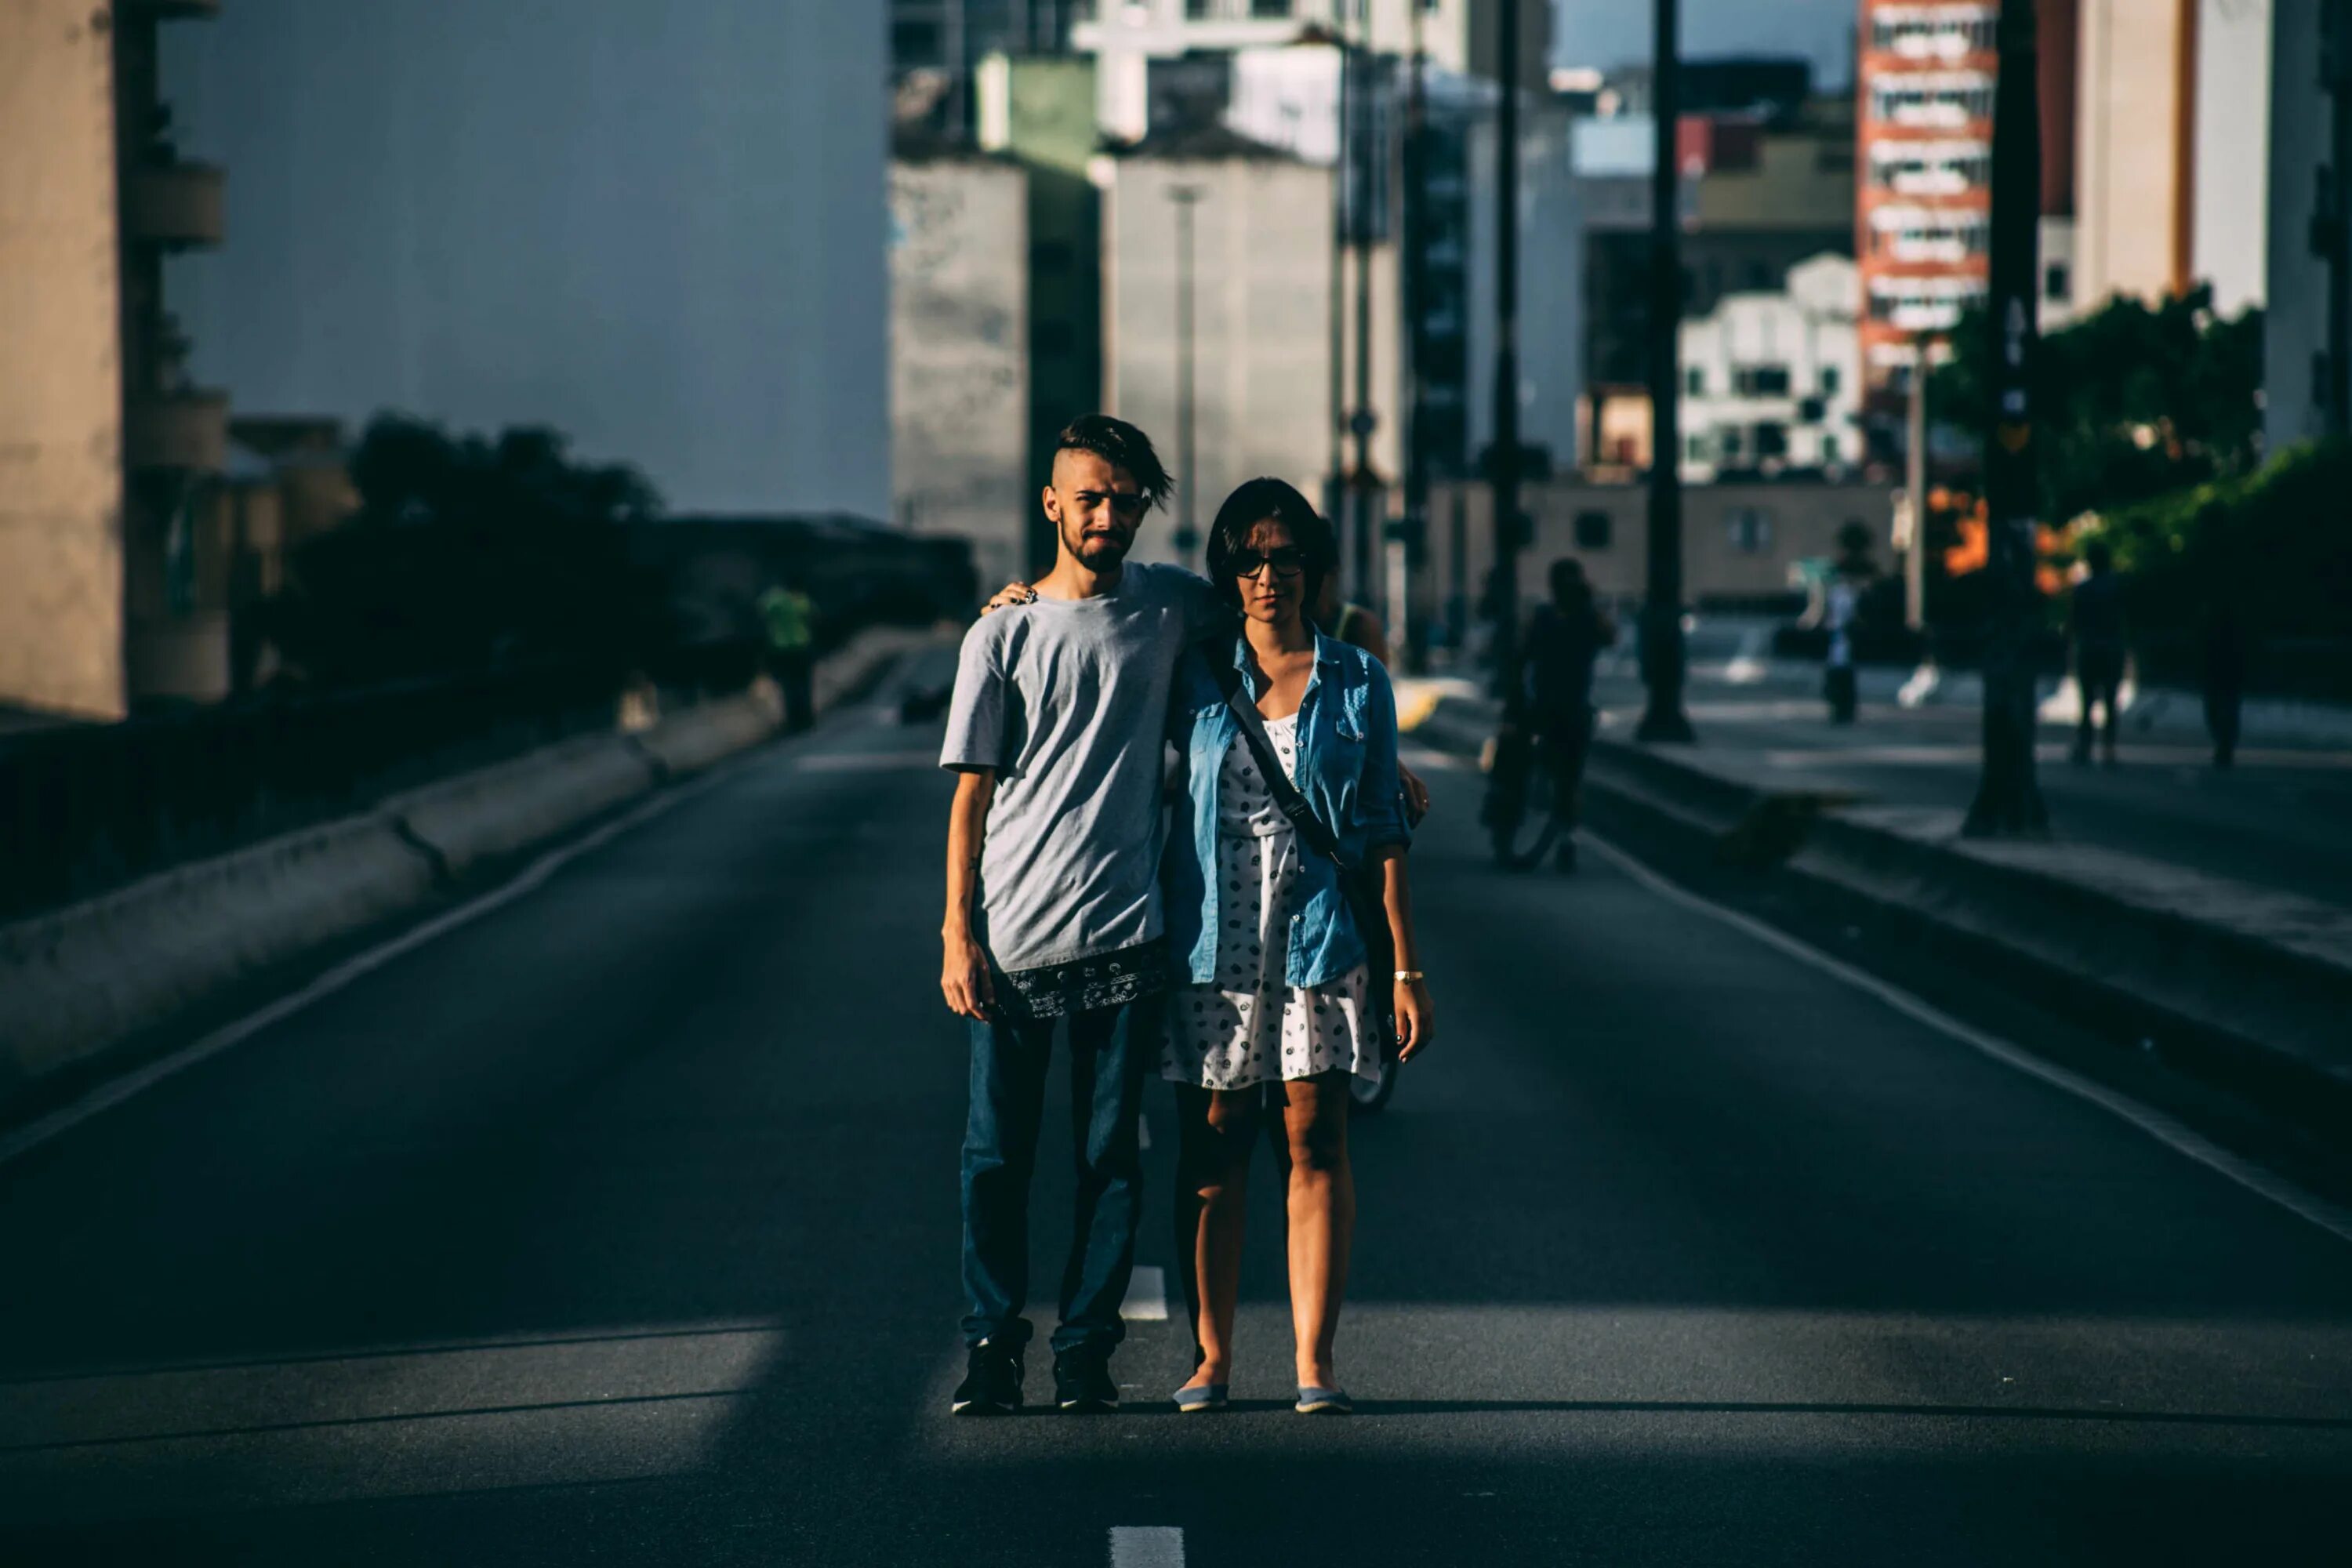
467 552
2275 545
2133 401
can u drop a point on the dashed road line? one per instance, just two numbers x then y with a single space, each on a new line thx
1147 1296
1146 1546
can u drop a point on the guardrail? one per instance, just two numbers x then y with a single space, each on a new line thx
85 809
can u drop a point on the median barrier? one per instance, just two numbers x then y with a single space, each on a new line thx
76 981
497 810
77 985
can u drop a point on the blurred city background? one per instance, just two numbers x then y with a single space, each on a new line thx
430 432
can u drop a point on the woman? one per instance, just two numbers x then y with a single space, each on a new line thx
1275 1010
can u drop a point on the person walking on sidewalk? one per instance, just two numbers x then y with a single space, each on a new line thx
1053 915
1290 744
2095 626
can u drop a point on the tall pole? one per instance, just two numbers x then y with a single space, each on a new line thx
1662 604
1336 476
1915 490
1363 150
2335 55
1187 535
2009 797
1505 588
1407 630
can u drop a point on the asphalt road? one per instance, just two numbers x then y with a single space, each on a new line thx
619 1225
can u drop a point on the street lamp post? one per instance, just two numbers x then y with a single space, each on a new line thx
2009 797
1407 629
1662 608
1362 150
1505 588
1188 534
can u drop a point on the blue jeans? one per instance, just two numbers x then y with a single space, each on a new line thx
1109 1048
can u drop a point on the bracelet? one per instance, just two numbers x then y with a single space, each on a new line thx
1404 975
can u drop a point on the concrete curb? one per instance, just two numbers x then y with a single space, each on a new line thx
81 978
2261 977
77 983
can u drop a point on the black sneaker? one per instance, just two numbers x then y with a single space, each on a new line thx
991 1382
1082 1382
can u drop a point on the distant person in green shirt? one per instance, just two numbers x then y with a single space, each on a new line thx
788 617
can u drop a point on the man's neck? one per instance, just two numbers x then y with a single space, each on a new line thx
1072 578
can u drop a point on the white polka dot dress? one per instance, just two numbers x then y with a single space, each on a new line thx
1247 1026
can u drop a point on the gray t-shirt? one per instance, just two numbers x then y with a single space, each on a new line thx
1068 700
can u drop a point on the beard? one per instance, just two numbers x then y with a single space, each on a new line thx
1101 552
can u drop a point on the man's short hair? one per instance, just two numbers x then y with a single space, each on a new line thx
1120 444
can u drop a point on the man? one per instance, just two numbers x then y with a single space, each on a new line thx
2095 623
1052 908
1563 640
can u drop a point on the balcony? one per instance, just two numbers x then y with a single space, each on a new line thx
176 430
174 204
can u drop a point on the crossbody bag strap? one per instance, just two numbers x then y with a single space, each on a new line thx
1293 806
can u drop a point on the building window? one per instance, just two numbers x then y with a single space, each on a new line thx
2057 281
1749 529
1829 451
1592 530
1771 441
1695 381
1270 8
1829 381
1761 380
1695 448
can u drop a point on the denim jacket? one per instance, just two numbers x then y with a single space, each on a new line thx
1347 770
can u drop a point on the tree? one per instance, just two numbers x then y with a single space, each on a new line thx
2132 400
467 552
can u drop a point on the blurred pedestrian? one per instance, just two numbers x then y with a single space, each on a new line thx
1563 642
1344 620
1288 910
2225 663
789 620
1841 604
1055 732
2095 626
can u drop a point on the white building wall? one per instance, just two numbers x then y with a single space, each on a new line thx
2128 180
958 357
2229 244
1262 279
61 589
2294 321
1809 332
658 228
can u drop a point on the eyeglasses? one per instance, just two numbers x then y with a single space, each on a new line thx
1288 561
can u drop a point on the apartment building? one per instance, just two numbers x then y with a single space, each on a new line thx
113 584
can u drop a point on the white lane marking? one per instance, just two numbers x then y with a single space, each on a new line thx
1142 1133
865 761
1146 1546
2173 1134
114 1091
1147 1296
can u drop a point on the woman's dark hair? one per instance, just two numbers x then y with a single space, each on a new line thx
1263 500
1120 444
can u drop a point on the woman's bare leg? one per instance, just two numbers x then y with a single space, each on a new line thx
1216 1130
1322 1209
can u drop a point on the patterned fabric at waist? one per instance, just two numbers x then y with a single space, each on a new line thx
1082 984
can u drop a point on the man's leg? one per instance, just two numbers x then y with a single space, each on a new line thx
1109 1048
999 1151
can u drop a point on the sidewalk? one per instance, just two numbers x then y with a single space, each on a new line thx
2281 820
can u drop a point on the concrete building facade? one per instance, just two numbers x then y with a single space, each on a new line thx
2307 391
659 229
959 353
1771 382
114 579
61 634
1262 274
1742 543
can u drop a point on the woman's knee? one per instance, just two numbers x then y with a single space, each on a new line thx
1319 1146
